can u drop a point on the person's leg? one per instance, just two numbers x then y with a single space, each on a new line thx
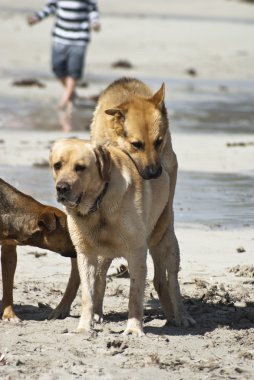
69 90
74 67
63 81
59 67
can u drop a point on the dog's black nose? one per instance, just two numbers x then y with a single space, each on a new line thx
153 171
63 187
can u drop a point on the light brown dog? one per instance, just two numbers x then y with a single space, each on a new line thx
24 221
111 212
131 117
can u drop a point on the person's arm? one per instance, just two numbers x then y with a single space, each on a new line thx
47 10
94 15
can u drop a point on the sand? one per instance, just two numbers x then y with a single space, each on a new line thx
162 40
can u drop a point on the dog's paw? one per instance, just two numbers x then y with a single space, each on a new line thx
81 330
11 319
85 326
9 315
189 321
98 318
88 334
134 327
59 313
134 331
184 320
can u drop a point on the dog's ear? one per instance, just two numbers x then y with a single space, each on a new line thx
158 98
103 162
119 114
47 220
115 112
61 218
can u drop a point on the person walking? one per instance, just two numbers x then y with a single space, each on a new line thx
71 35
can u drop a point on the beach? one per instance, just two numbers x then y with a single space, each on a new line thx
203 52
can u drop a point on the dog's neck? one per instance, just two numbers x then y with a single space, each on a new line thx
97 201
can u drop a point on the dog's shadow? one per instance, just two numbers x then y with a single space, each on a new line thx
208 316
32 312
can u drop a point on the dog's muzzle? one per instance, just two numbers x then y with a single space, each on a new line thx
151 172
64 195
63 191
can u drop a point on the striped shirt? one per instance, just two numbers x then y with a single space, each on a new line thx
73 20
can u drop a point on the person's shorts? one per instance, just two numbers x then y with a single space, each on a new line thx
68 60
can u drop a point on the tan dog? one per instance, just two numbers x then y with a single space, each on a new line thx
24 221
111 212
130 116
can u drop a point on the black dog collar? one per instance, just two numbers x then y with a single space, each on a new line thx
99 199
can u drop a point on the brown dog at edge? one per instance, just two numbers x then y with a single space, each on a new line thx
131 117
24 221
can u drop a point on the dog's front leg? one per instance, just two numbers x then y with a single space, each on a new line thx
100 285
137 269
87 265
63 309
9 263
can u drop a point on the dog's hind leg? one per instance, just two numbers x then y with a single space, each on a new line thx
137 269
100 286
160 281
9 263
63 309
167 253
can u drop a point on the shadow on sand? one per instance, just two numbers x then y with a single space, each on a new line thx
208 316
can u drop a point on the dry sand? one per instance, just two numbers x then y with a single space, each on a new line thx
162 40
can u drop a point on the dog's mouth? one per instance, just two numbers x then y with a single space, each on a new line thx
149 172
71 203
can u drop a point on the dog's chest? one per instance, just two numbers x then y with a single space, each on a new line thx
98 235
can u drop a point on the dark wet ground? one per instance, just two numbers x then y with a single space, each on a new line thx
212 199
34 115
194 105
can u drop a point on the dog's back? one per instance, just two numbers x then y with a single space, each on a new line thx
123 90
117 93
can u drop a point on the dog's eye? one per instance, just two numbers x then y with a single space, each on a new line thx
57 166
158 142
138 145
79 168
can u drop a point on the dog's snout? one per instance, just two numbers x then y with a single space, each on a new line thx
63 187
153 171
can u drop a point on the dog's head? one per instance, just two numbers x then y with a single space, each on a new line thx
80 172
53 232
140 129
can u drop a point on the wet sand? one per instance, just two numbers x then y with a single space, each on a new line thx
211 121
